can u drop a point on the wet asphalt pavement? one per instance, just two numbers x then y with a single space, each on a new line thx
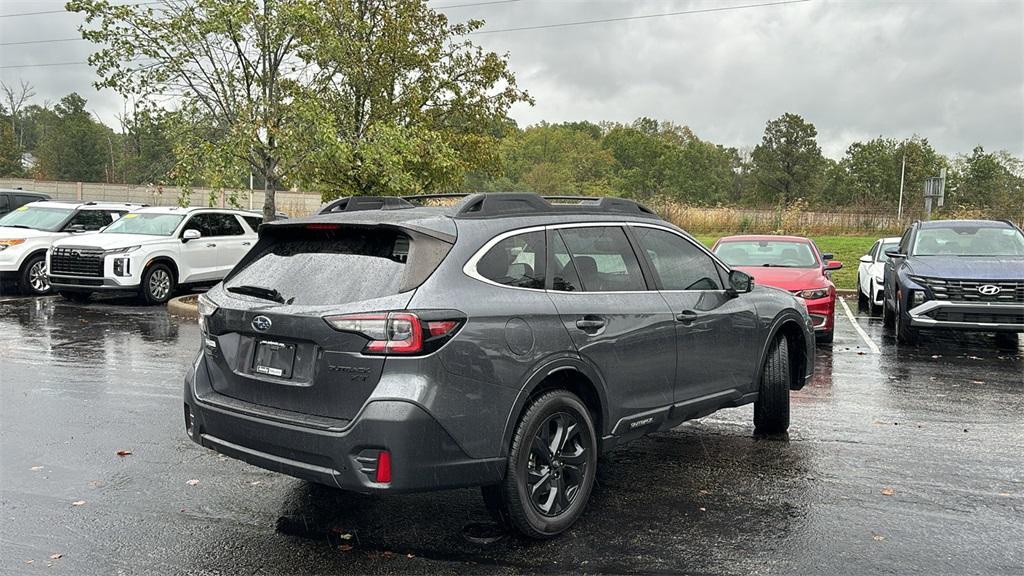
908 461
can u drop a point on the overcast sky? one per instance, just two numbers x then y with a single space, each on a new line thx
952 72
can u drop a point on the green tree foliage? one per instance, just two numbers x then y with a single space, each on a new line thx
787 164
990 182
872 170
72 145
10 152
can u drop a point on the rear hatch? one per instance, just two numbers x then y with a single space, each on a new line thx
273 346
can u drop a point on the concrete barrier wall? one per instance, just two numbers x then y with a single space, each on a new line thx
292 203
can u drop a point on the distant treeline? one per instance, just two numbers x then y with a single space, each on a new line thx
647 159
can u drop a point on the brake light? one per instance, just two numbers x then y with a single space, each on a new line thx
397 332
322 226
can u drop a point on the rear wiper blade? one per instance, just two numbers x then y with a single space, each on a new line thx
258 291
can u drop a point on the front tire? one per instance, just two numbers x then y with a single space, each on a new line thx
771 410
157 284
863 302
551 468
32 279
905 334
887 315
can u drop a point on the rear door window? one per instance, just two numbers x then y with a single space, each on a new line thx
253 222
215 224
339 266
90 219
601 258
516 261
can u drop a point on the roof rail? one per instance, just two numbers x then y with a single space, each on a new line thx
360 203
499 204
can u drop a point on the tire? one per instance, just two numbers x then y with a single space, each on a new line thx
887 318
545 421
824 337
1007 340
77 297
771 410
32 278
905 334
157 285
862 301
872 307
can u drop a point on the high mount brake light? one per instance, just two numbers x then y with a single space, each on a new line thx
396 332
322 226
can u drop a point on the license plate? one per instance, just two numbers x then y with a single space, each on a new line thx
274 359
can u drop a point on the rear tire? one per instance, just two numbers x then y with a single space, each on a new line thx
157 284
76 297
32 278
545 490
887 318
771 410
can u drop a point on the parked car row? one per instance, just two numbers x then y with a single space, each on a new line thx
78 249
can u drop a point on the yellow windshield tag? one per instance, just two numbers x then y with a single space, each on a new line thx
130 216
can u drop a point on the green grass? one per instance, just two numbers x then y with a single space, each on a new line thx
846 249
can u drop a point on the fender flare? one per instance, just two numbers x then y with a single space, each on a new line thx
785 316
545 368
162 259
31 255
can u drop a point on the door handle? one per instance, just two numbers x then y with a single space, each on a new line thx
686 316
246 243
590 323
211 245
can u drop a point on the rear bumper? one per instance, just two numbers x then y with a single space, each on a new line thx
423 455
980 316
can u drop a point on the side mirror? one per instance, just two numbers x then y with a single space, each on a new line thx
827 256
866 259
740 282
76 228
190 234
833 265
895 254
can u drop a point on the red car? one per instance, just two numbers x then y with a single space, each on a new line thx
791 263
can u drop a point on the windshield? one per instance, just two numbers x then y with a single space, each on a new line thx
149 224
39 217
960 240
888 246
784 254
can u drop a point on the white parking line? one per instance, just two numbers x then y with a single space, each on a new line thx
856 326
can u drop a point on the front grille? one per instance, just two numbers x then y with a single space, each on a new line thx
977 317
76 261
968 290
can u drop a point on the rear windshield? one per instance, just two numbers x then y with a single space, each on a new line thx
338 266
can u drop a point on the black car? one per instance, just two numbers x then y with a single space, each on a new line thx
956 275
13 199
504 342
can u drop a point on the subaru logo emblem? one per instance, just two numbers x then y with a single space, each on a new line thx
989 289
261 323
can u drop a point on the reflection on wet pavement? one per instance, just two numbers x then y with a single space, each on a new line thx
904 461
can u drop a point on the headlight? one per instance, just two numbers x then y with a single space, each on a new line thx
4 244
206 309
124 250
813 294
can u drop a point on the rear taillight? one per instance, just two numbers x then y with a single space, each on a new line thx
399 332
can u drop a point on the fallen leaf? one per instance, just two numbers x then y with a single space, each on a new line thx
974 358
254 483
702 509
410 555
877 537
56 556
78 503
344 547
977 381
192 482
123 453
345 536
34 468
888 491
29 561
1004 494
937 356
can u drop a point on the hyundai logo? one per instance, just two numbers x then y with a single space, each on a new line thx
261 323
989 289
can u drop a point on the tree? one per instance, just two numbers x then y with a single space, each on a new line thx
990 181
232 67
788 163
10 153
406 104
16 97
73 146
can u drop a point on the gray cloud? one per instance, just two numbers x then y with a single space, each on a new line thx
952 72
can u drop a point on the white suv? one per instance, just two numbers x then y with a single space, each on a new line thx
27 232
152 251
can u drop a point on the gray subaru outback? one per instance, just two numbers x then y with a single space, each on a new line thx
384 345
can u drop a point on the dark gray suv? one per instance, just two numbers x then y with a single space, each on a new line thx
505 342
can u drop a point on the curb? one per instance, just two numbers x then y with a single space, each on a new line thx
184 306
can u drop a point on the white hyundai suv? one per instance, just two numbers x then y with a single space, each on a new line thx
153 251
27 232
